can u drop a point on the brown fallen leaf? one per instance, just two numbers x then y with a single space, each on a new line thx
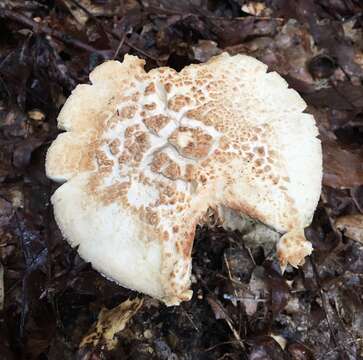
342 168
111 322
36 115
352 226
6 212
92 8
256 292
287 52
280 340
344 96
205 49
256 8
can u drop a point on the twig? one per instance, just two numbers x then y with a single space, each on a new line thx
122 41
41 28
28 6
342 324
190 319
230 275
239 298
323 301
236 335
220 313
80 6
224 356
251 256
220 276
220 344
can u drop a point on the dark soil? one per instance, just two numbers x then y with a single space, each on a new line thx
242 306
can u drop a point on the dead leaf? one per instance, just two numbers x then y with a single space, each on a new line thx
205 49
288 53
257 291
256 8
23 152
36 115
80 15
239 264
344 96
234 31
111 322
280 340
352 226
6 212
265 348
279 291
342 168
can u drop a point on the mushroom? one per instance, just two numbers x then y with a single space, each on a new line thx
146 155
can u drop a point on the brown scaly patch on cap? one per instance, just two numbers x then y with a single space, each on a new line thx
156 123
191 143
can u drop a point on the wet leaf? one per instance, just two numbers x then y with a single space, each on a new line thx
239 264
255 8
205 49
266 348
23 152
6 212
279 292
256 292
342 168
352 226
110 323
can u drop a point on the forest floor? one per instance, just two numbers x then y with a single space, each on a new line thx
242 308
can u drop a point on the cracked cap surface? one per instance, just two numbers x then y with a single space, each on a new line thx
145 155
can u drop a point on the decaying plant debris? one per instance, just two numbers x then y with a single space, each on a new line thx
242 308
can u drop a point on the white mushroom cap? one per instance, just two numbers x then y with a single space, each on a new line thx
146 155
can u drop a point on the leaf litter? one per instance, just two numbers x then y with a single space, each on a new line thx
50 299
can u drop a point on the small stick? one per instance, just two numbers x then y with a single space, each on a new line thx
122 41
190 319
230 275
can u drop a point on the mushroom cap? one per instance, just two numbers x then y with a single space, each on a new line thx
146 155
